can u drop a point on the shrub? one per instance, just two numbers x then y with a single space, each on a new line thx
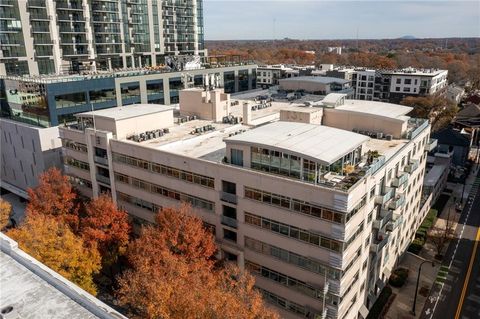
382 300
426 224
398 277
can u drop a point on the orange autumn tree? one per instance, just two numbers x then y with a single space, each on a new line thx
188 237
52 242
173 274
54 196
5 211
106 226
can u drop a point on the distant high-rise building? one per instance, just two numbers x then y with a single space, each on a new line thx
58 36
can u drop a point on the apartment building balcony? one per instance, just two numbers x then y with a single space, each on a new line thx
70 7
431 144
7 3
101 160
397 202
228 221
412 166
400 180
40 17
102 179
383 218
396 221
227 197
379 241
388 194
36 4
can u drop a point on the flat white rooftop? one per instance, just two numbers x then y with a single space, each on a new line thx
35 291
375 108
434 174
128 111
319 143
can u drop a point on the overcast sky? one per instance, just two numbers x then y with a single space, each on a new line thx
250 19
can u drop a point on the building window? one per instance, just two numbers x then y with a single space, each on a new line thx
397 89
408 81
236 157
399 81
102 95
296 205
130 90
229 235
294 232
69 100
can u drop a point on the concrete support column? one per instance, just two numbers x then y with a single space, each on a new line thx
166 91
250 75
143 92
235 75
27 39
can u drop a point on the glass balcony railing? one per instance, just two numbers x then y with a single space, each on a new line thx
228 221
388 194
410 168
397 202
431 144
229 198
400 180
103 179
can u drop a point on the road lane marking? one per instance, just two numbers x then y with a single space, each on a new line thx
442 285
467 278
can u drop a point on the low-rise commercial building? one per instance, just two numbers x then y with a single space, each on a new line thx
392 85
27 151
320 85
52 100
269 75
318 206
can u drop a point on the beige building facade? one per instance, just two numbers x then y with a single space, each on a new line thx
318 213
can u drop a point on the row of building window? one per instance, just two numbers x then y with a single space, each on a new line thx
80 147
293 258
79 181
301 206
76 163
138 202
166 192
290 282
165 170
294 232
288 305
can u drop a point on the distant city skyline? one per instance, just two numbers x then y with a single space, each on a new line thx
329 20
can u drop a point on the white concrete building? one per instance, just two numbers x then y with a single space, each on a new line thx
269 75
27 151
363 81
325 200
336 50
416 82
57 36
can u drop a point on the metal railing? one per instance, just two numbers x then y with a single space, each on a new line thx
229 198
232 222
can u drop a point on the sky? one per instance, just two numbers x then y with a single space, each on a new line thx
340 19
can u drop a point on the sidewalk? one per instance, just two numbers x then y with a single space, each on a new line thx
402 305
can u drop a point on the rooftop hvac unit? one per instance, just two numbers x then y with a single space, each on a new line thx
379 135
389 137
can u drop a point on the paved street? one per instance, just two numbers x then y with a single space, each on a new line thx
460 291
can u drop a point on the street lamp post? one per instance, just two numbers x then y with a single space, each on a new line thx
418 279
